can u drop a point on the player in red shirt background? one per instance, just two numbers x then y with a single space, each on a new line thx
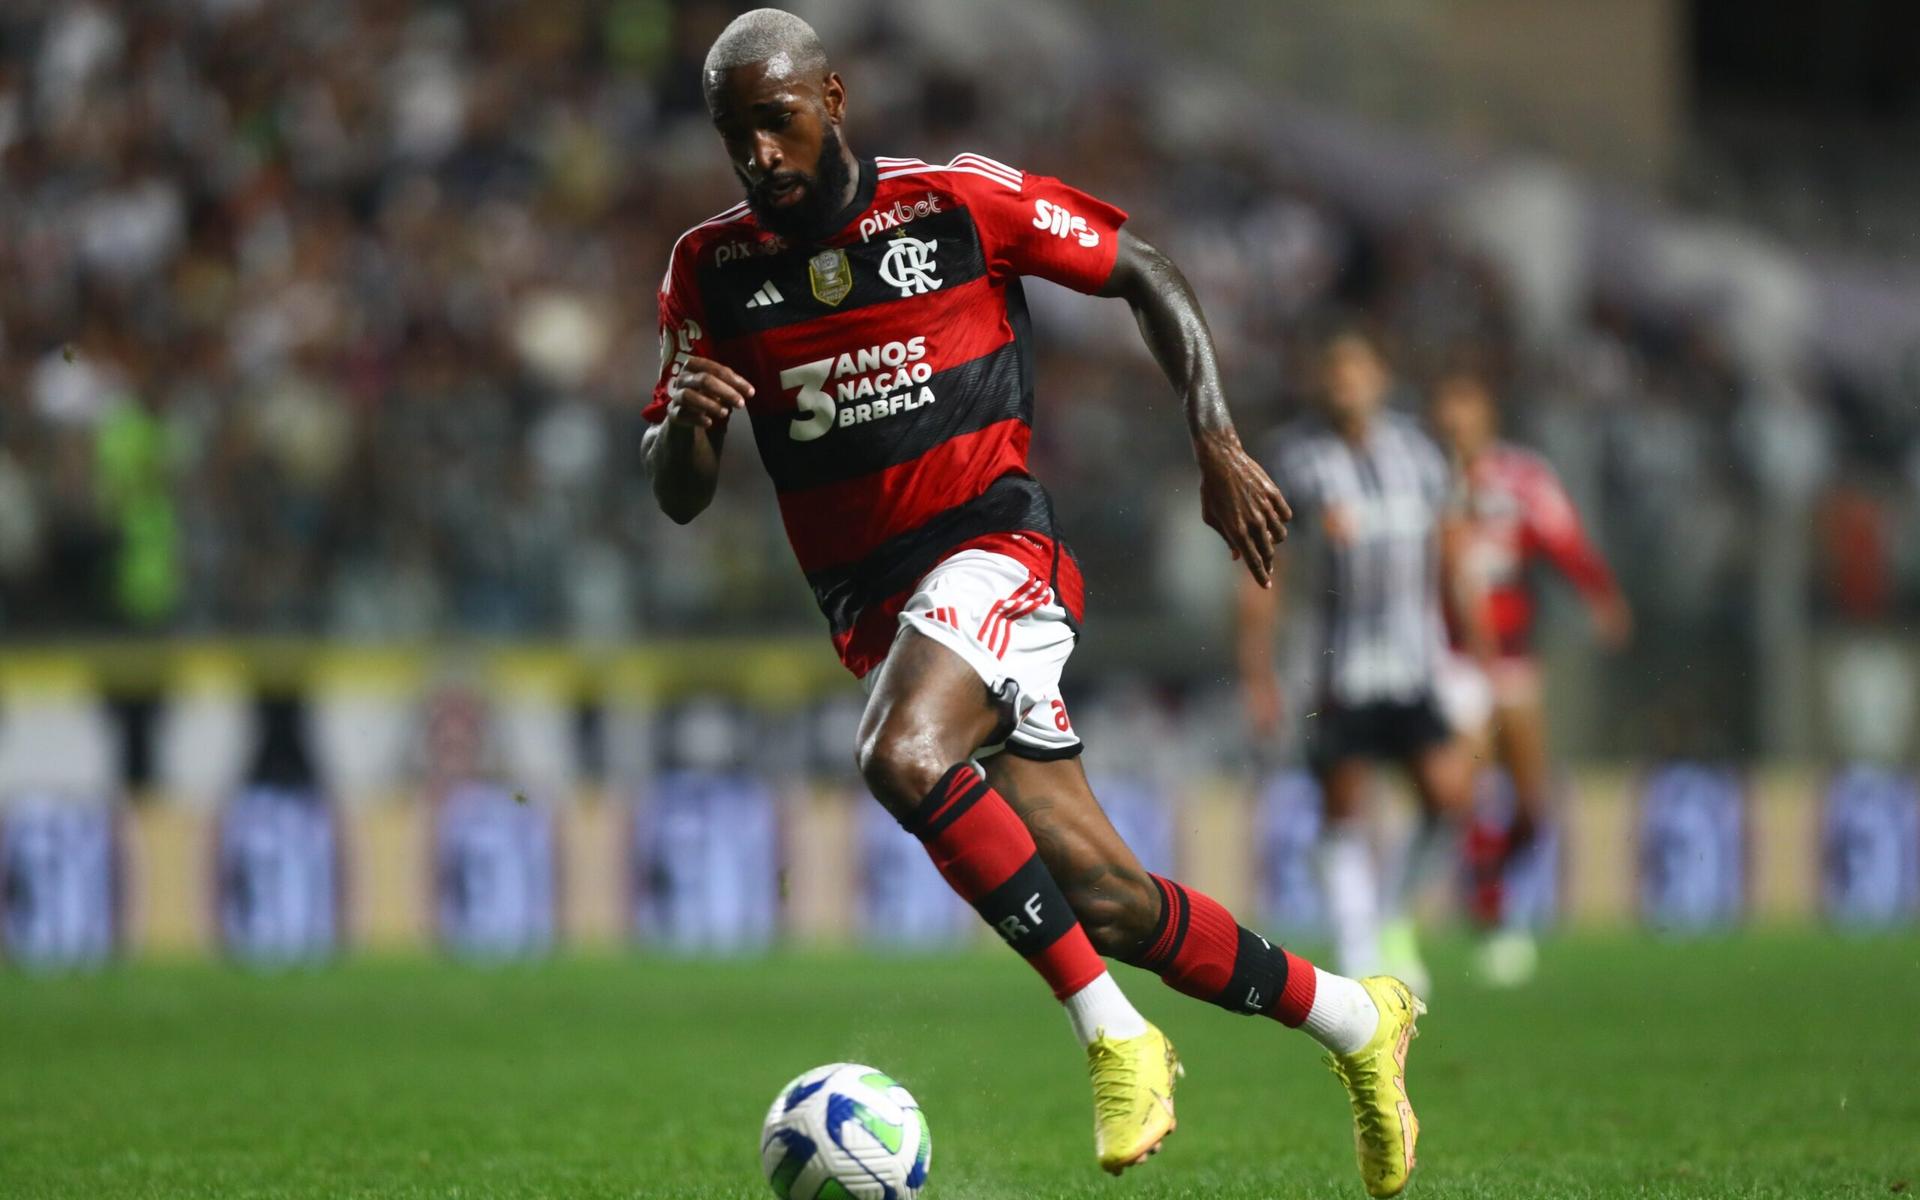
1517 516
865 317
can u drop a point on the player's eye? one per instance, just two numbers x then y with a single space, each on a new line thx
780 120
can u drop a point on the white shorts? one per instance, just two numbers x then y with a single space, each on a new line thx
1005 621
1465 694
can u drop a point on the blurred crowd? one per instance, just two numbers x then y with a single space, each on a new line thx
336 317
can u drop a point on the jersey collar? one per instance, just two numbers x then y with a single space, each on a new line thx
862 199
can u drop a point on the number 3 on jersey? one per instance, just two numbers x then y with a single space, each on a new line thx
810 378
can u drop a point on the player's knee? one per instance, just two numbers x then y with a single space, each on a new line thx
1118 914
899 767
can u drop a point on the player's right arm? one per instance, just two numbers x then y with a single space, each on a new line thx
683 451
693 397
1464 593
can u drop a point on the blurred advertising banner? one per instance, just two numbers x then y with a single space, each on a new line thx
278 877
1693 848
903 902
1142 814
59 882
705 866
1287 818
671 812
494 873
1870 848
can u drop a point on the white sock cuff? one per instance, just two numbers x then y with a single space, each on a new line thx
1343 1017
1102 1008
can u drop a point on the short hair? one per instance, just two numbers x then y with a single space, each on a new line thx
761 36
1474 363
1341 324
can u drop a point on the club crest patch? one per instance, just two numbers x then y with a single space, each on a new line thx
831 276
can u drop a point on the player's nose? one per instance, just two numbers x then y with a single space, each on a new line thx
765 158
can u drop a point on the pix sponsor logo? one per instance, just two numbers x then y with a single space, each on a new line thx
1063 224
742 249
868 384
882 219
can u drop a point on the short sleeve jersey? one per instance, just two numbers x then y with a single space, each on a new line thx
893 372
1519 515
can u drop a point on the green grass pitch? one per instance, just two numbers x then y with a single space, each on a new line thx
1768 1065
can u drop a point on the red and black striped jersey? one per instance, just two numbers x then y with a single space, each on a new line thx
893 372
1518 515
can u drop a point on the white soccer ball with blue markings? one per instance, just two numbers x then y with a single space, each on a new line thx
845 1132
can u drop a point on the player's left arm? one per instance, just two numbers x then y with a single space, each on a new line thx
1555 528
1237 498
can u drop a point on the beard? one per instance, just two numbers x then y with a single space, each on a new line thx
808 217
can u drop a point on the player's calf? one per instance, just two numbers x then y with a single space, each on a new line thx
1198 949
987 856
1116 906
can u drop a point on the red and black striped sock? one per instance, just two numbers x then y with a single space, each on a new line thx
1199 949
985 854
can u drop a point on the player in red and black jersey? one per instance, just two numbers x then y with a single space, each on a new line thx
1516 516
865 317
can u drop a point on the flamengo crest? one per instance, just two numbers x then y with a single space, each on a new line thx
909 263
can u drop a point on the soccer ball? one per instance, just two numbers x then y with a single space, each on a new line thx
845 1132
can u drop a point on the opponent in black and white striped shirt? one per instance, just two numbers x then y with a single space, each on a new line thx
1372 492
1373 504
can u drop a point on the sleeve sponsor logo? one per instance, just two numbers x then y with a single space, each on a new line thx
1063 224
676 347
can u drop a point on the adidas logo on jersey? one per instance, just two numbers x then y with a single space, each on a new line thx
767 295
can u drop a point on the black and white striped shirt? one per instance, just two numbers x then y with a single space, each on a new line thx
1372 512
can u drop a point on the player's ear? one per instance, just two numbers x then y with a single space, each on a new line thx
834 97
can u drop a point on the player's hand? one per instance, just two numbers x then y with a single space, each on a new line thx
1613 622
1241 503
705 393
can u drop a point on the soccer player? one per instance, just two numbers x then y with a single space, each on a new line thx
1378 494
1517 515
865 317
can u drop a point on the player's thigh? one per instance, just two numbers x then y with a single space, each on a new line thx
1344 782
1104 881
927 710
1442 774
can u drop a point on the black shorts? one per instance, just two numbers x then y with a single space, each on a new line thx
1388 729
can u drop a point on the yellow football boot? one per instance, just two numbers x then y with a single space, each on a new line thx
1132 1097
1384 1127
